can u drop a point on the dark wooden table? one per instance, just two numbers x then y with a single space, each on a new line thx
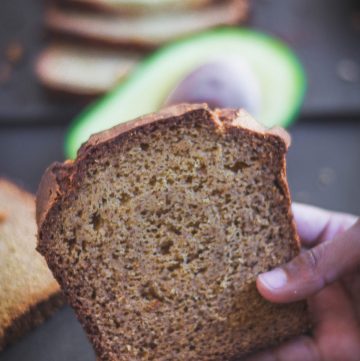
323 163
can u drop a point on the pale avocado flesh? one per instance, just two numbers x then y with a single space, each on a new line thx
281 77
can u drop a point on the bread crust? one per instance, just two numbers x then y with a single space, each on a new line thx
32 316
61 181
57 176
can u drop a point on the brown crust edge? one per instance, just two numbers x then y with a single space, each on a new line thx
60 180
50 189
55 23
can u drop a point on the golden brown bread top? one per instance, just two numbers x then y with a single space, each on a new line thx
58 174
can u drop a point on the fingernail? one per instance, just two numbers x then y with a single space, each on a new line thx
274 279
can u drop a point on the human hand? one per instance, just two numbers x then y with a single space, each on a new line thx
327 273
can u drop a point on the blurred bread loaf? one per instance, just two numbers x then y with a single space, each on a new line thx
28 292
83 70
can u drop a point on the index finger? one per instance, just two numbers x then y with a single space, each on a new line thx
315 225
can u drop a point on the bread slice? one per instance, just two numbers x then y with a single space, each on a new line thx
140 6
148 30
28 292
157 231
84 70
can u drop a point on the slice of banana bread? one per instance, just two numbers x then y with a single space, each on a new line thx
144 31
135 7
157 231
28 292
83 70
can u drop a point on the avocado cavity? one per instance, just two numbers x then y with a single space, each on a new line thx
229 67
222 83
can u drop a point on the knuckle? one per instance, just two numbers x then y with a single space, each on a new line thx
312 260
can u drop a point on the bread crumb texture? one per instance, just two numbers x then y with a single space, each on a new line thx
158 231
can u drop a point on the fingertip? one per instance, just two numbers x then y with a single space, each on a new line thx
270 285
274 280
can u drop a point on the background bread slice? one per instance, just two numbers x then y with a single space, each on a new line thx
157 231
140 6
28 292
148 30
83 70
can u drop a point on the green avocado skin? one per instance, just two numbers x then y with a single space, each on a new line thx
279 72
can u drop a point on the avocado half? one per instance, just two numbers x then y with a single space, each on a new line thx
281 79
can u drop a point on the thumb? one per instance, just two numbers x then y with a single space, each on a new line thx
312 270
